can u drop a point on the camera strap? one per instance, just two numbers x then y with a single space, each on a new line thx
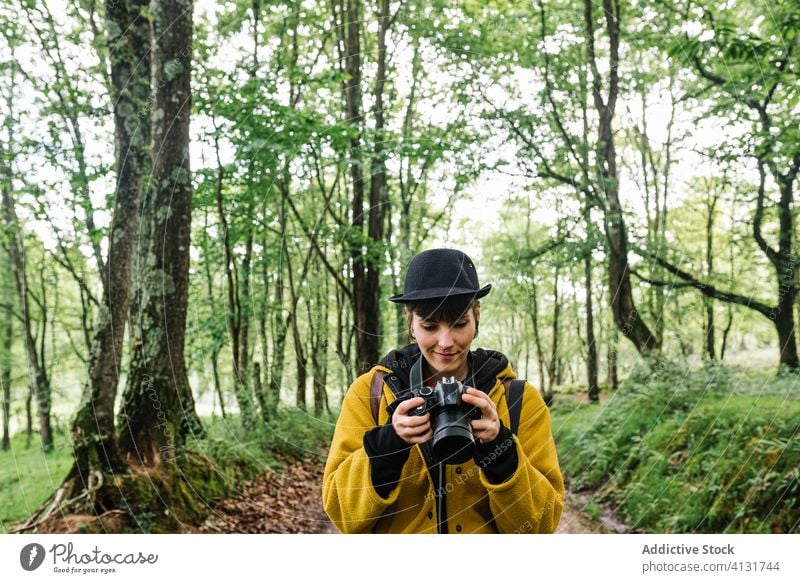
514 389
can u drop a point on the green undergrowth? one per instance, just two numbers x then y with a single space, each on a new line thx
711 450
28 476
239 454
209 469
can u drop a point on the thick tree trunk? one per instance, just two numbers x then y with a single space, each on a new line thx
93 431
784 324
358 254
378 207
158 408
786 264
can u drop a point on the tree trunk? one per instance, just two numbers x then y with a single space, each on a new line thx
318 325
5 366
263 396
378 205
786 264
40 384
237 320
215 350
709 303
364 259
258 387
244 328
540 359
158 407
93 431
552 364
591 347
626 316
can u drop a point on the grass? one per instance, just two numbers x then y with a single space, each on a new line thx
28 476
711 450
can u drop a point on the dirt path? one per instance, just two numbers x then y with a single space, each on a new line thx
291 502
288 502
576 518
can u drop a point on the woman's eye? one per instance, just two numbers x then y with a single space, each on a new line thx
429 328
460 325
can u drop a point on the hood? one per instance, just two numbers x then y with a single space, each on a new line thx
486 366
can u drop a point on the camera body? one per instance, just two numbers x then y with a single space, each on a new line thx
451 419
446 394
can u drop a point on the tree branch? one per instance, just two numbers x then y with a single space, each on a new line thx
706 289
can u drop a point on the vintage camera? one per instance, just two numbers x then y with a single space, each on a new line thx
451 419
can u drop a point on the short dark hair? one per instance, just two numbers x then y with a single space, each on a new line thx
448 310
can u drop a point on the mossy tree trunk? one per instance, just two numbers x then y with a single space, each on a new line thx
158 408
93 431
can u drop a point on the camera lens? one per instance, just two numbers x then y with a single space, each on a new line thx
453 442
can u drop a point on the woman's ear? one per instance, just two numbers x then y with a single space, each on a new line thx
410 320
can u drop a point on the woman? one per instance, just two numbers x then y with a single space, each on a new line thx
385 477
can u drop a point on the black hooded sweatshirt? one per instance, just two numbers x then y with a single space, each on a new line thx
388 452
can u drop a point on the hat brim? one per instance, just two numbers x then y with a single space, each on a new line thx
438 293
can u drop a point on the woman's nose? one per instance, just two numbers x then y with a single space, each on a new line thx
445 338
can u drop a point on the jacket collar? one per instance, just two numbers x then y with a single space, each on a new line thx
485 366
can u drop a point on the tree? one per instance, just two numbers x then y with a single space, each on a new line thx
762 94
15 247
93 431
158 388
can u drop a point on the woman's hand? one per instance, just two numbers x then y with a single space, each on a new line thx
412 428
488 427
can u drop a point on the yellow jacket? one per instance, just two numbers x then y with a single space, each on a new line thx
530 501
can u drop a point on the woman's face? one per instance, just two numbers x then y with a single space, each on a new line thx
446 346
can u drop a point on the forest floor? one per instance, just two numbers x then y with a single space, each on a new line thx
291 502
288 502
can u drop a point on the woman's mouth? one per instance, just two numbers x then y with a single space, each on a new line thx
448 356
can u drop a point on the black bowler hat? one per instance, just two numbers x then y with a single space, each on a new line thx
440 273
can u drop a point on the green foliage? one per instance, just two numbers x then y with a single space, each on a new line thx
238 453
706 451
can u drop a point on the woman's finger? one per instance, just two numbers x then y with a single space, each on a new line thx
427 436
481 401
416 429
409 404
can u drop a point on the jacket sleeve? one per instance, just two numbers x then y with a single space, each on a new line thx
348 494
532 498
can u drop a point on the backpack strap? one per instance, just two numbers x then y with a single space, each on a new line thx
515 390
375 391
